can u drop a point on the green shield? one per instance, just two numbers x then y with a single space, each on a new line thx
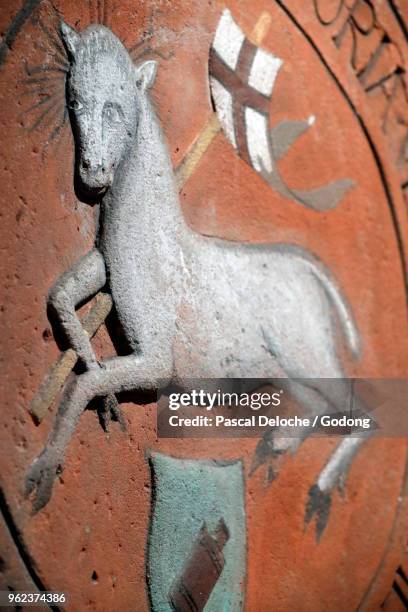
197 539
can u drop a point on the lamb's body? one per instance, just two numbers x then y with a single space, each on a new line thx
225 309
252 312
191 307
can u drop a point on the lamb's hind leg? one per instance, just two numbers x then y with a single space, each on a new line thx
311 393
115 375
277 442
341 396
332 475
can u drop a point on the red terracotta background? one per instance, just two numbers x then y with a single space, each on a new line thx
98 516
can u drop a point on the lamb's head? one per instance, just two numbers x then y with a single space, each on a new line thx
104 91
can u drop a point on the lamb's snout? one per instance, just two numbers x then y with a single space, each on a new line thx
95 177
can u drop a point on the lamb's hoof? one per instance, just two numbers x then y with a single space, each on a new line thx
108 410
318 505
266 453
40 479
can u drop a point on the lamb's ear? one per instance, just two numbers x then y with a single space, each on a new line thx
70 38
146 74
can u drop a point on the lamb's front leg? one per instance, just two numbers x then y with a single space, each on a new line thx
82 281
113 376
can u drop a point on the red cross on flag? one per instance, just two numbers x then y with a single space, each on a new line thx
242 77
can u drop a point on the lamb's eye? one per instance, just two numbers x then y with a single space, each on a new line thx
75 105
112 113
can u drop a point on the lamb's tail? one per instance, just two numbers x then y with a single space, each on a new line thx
343 310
